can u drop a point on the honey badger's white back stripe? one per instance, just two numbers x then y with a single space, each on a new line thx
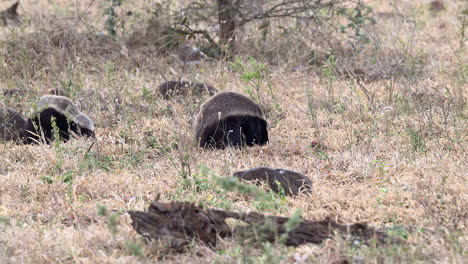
59 103
65 106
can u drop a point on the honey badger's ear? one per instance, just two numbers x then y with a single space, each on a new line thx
13 10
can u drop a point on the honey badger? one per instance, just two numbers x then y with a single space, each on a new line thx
11 124
67 119
14 92
10 15
174 88
230 119
292 182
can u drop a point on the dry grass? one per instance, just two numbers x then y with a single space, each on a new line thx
396 157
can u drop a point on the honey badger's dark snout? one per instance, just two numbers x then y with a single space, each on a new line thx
81 131
230 119
88 133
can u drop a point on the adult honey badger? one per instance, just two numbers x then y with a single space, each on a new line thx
39 127
11 124
64 113
230 119
176 88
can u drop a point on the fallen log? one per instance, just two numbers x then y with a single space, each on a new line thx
181 222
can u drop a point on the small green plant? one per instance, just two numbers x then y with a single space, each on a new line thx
358 17
182 161
328 75
132 159
380 199
398 231
463 18
264 201
4 222
256 236
327 71
94 161
147 94
112 18
113 221
195 183
47 179
57 145
66 176
291 225
253 73
276 105
379 165
417 142
126 135
110 70
272 255
414 59
403 104
150 140
101 210
68 81
135 249
312 111
183 168
202 183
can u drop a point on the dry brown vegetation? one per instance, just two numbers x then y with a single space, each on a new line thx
389 117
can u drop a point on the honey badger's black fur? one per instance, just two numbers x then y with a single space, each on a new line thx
11 124
230 119
174 88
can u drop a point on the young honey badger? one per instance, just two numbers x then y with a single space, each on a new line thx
11 124
14 92
230 119
292 182
175 88
67 119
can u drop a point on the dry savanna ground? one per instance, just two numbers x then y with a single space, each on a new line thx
395 142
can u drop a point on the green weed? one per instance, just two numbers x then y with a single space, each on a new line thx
112 221
417 142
